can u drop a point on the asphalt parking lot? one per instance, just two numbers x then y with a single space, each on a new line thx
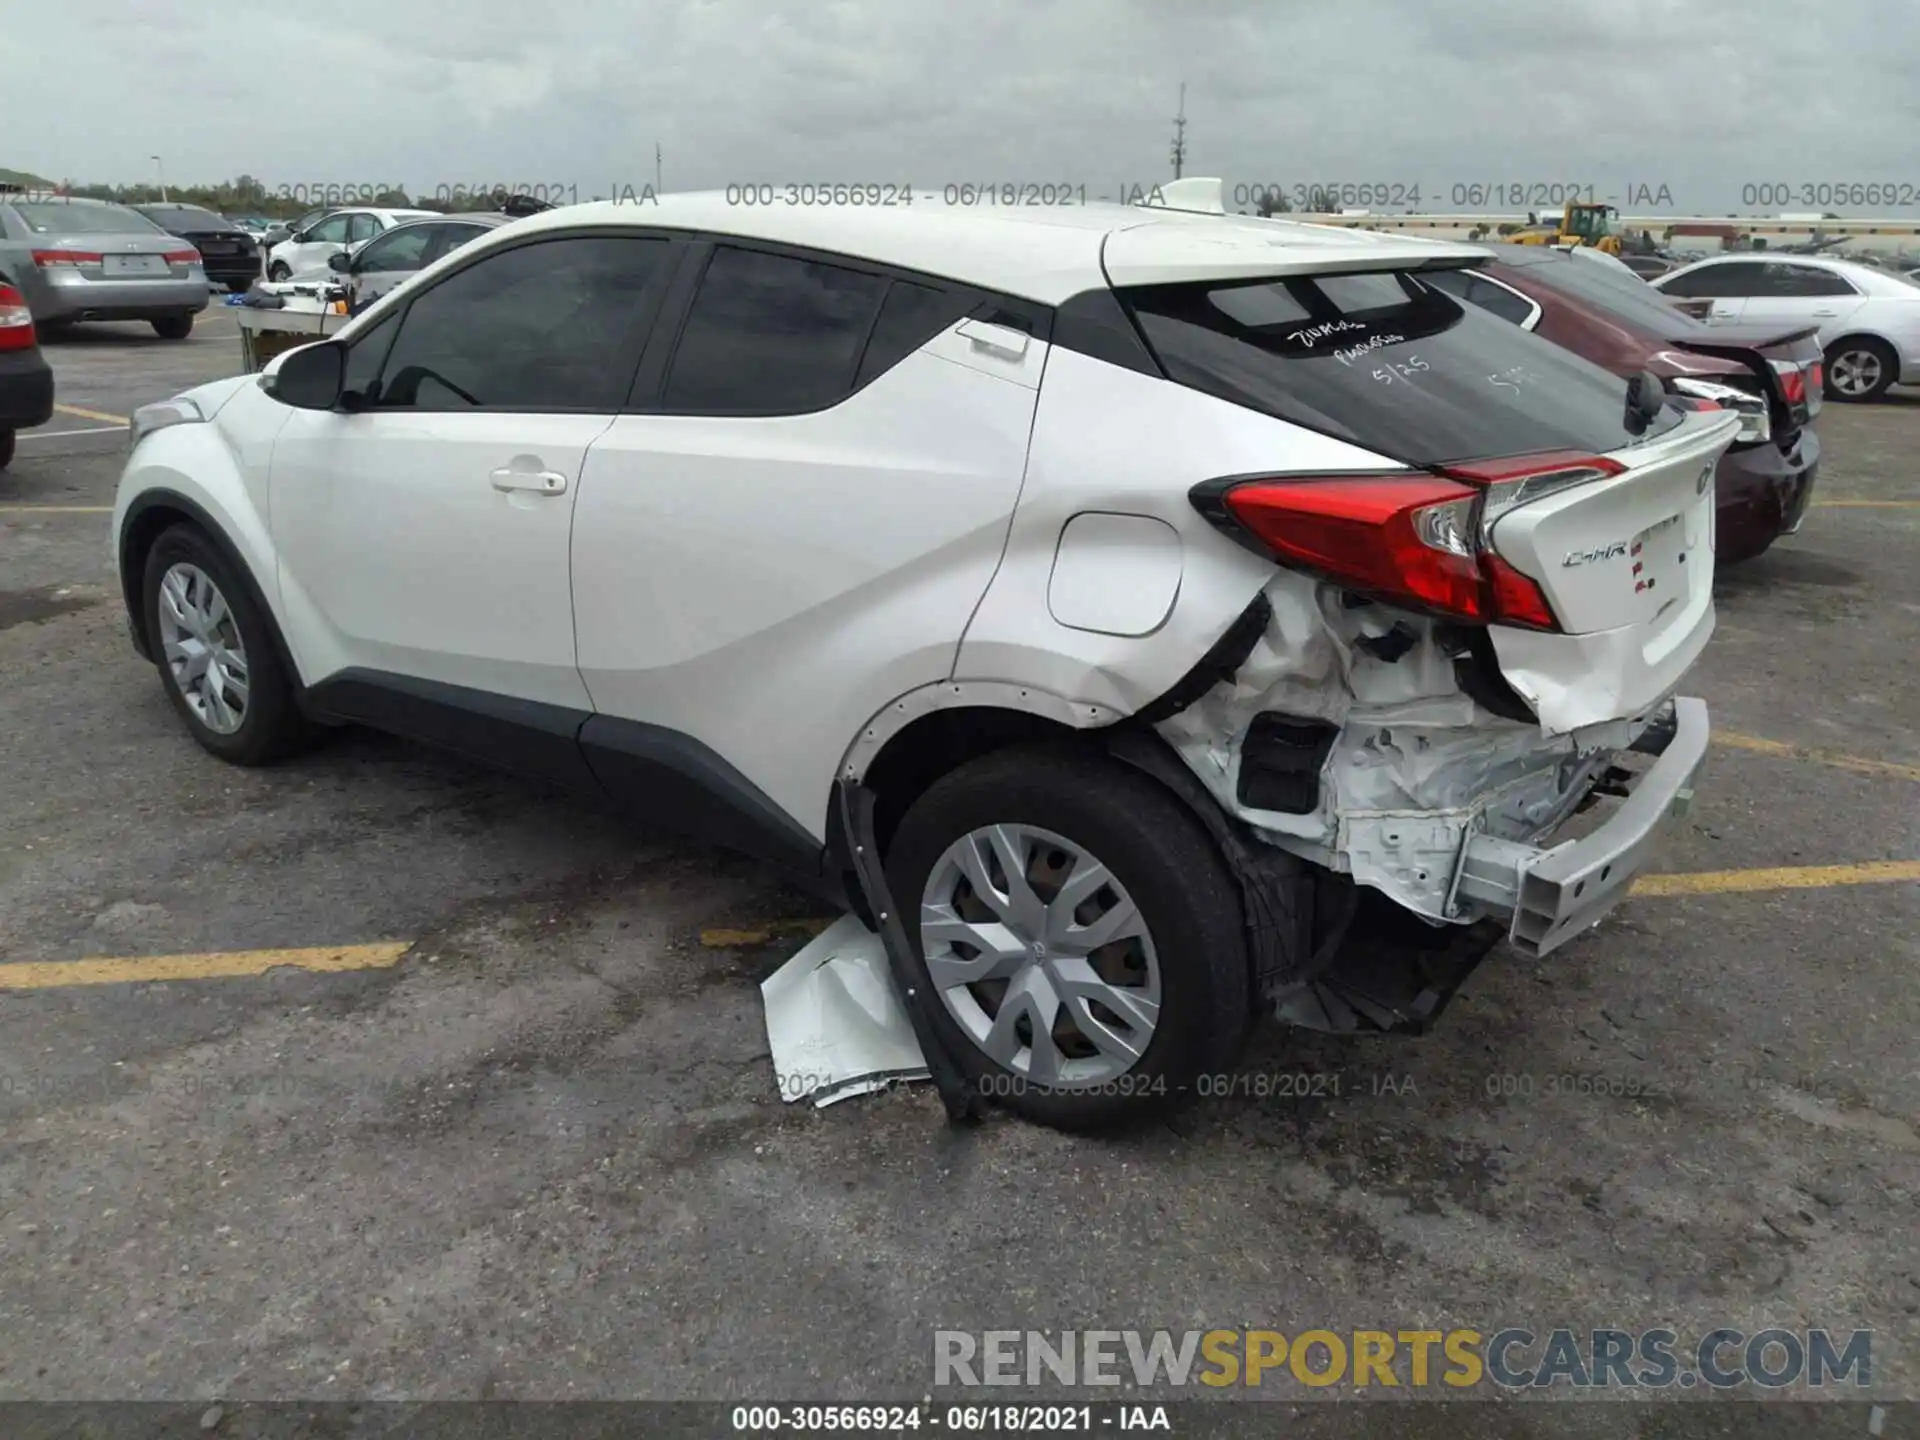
513 1132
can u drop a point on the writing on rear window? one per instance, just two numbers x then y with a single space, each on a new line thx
1396 370
1306 339
1514 378
1366 347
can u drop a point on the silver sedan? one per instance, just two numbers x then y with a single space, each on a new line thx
93 260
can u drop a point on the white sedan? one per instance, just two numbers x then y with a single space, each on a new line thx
1104 583
303 255
1869 318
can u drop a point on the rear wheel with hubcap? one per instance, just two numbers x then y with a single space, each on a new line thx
1860 368
215 653
1079 936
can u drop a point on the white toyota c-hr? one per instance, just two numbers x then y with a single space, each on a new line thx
1146 589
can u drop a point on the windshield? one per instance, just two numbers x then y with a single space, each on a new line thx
1387 363
81 217
185 217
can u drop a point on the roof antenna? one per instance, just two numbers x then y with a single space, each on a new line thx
1180 134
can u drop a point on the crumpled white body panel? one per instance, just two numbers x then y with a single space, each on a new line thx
1417 763
835 1026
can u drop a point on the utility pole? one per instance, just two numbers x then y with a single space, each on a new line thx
162 170
1180 134
656 168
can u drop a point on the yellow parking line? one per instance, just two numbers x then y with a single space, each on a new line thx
1890 768
1866 504
219 965
91 414
56 509
1794 877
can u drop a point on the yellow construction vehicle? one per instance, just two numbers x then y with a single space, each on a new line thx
1583 222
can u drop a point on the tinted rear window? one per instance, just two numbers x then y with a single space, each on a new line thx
185 217
82 217
1386 363
1625 297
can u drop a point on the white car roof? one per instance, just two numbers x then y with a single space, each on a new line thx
1043 253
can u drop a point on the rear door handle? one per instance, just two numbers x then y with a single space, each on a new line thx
1826 314
540 482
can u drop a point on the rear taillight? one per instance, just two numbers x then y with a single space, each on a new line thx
1793 383
1816 376
1399 537
80 259
1422 540
16 320
183 257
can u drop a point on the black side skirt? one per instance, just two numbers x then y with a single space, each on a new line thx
658 776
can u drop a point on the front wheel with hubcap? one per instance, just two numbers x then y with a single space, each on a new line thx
215 654
1860 368
1079 936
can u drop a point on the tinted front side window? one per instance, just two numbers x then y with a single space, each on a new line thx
1718 281
771 335
331 231
1399 368
554 325
402 250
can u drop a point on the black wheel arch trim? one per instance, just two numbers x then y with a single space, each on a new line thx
133 576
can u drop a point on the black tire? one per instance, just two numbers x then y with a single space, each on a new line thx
173 327
6 448
1865 346
278 271
1159 853
271 725
239 287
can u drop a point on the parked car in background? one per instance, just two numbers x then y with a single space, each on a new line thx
304 253
1142 589
26 380
227 252
1648 266
1868 318
279 230
383 262
1768 374
80 260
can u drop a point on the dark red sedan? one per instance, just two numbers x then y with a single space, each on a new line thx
1769 374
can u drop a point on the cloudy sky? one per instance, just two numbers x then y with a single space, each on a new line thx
1702 100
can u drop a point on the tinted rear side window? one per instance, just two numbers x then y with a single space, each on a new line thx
1386 363
771 335
910 316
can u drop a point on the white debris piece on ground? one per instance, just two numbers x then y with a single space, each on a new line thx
836 1025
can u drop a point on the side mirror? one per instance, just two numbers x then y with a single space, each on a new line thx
339 262
311 377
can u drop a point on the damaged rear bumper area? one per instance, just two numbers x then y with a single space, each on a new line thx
1554 894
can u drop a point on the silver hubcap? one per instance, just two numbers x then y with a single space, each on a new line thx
1856 372
1040 955
202 645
